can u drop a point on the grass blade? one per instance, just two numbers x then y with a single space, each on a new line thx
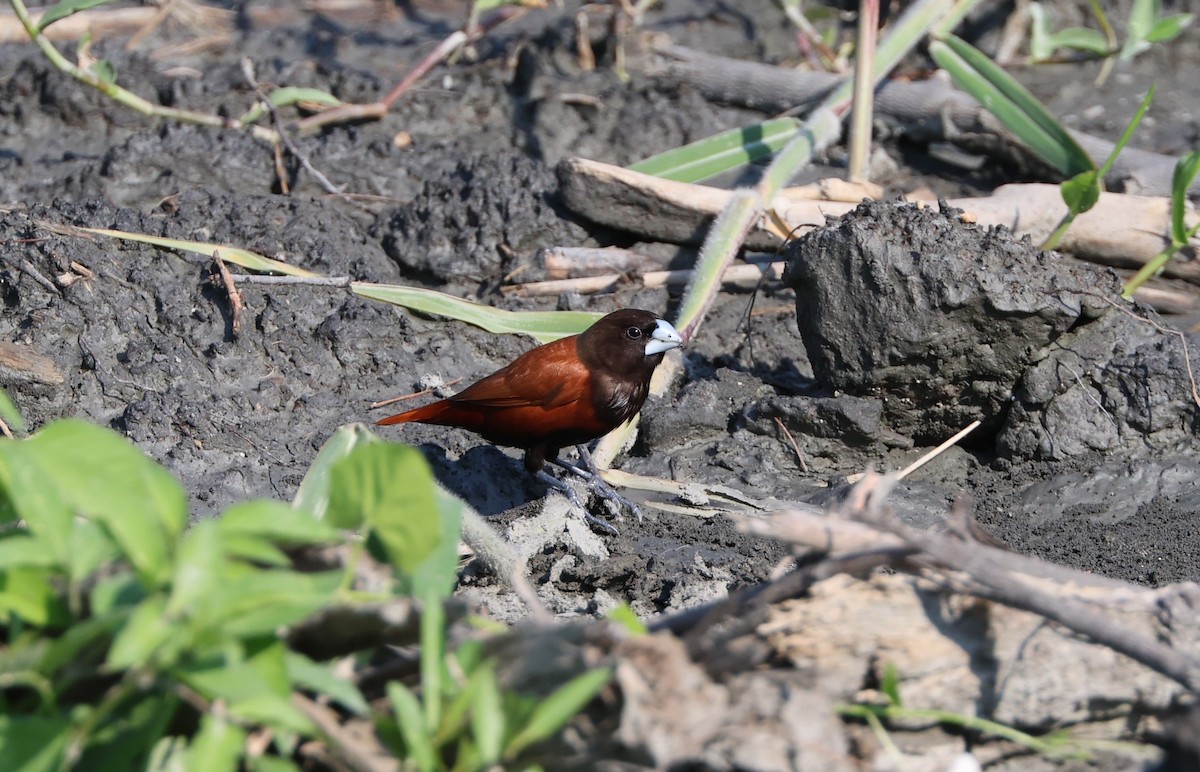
1012 104
721 152
245 258
545 326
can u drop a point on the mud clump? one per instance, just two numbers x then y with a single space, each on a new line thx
946 322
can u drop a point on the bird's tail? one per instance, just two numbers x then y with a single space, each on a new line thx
428 414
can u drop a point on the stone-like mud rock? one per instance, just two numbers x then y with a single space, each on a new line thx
947 322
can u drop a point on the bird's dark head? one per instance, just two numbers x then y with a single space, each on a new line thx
630 342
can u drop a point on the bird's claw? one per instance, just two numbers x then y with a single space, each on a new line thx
577 502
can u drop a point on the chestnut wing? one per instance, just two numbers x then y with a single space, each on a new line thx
548 376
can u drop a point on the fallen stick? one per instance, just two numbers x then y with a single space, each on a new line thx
744 276
1121 230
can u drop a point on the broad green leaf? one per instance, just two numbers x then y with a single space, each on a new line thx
19 549
721 152
410 719
146 630
545 326
319 678
29 492
28 593
313 495
436 576
553 713
255 549
1181 180
276 521
487 717
390 488
289 95
258 602
169 754
198 568
218 745
103 477
66 8
274 711
243 257
256 689
1012 104
10 414
32 743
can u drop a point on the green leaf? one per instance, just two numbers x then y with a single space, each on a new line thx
243 257
218 745
271 764
18 549
119 592
721 152
436 576
28 593
1181 180
1082 39
10 415
146 630
487 717
624 616
891 684
553 713
256 689
100 475
257 602
545 326
320 678
1012 104
289 95
198 569
418 739
66 8
390 488
1169 27
313 495
33 743
254 549
276 521
1081 192
105 70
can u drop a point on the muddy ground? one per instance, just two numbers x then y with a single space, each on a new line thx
455 189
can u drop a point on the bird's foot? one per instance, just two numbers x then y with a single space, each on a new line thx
596 482
571 495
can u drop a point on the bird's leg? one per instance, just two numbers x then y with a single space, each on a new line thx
591 474
570 493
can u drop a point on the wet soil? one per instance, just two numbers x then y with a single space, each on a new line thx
1088 453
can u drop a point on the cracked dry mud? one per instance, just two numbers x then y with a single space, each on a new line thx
1088 451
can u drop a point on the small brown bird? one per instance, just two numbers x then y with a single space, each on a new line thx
568 392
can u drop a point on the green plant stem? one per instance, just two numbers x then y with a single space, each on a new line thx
120 95
1052 748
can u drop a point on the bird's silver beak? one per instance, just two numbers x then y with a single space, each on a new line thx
664 338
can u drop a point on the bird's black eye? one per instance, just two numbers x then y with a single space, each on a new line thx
633 333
